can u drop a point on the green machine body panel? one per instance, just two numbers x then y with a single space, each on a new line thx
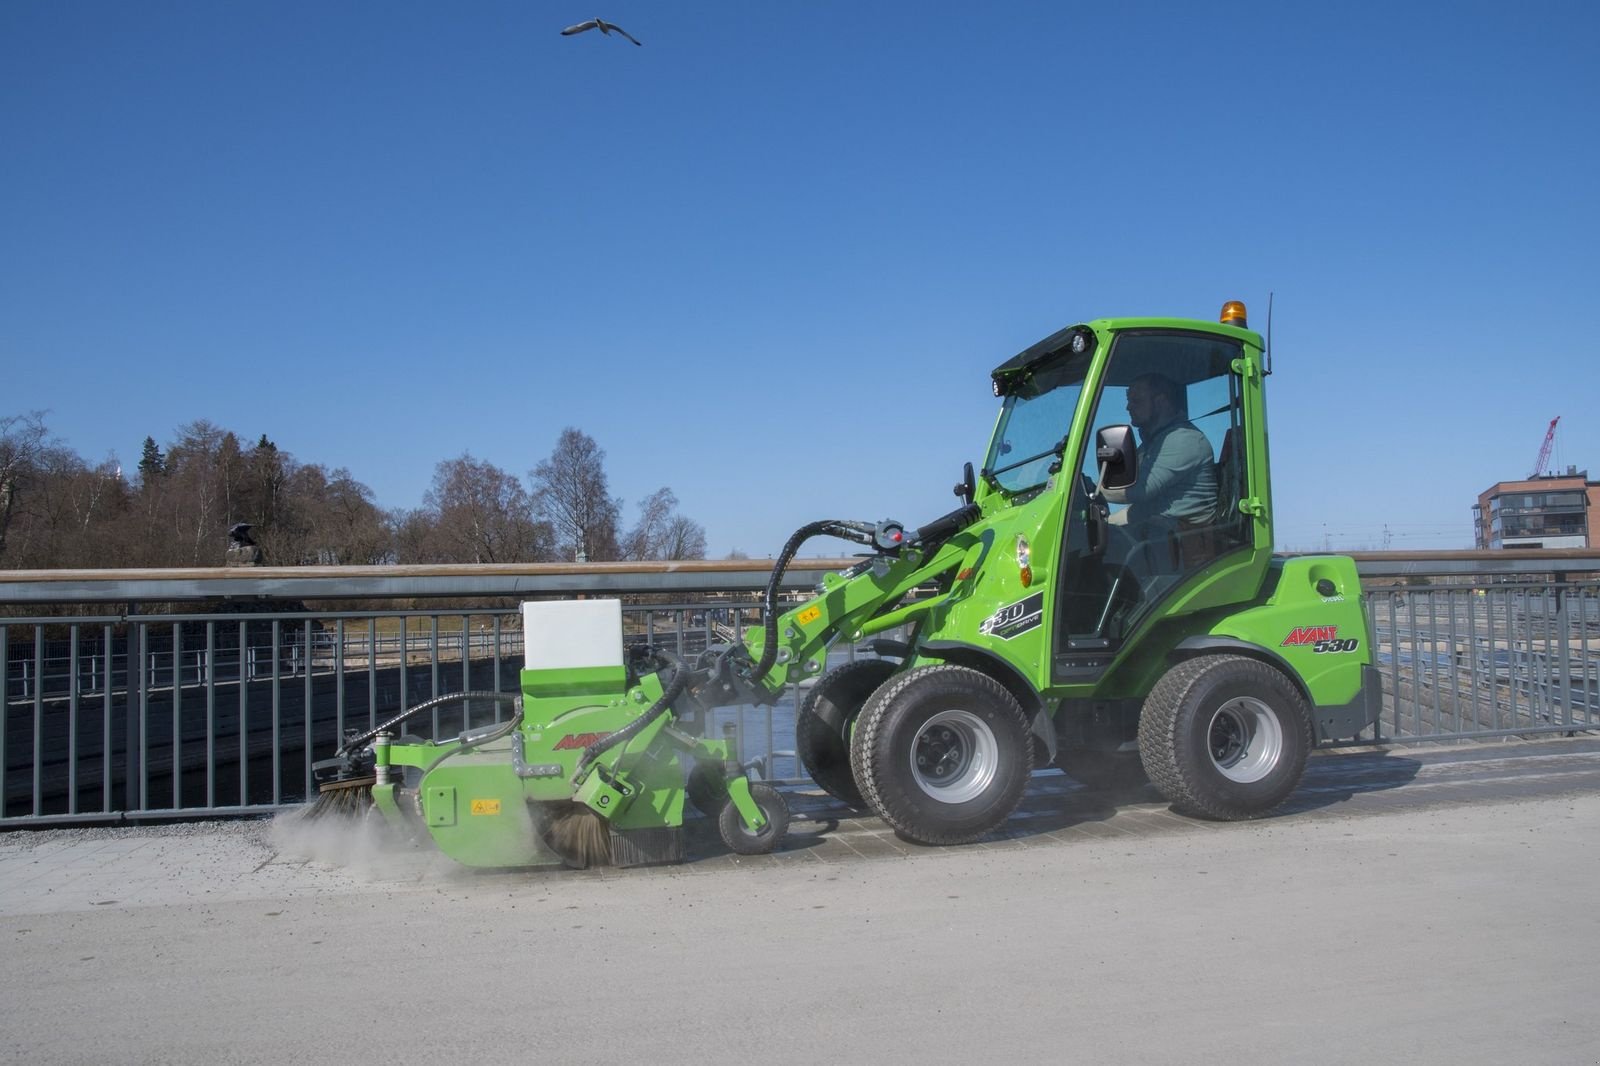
1077 601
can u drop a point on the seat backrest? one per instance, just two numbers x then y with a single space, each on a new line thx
1229 483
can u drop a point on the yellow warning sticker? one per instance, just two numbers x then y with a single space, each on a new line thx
809 615
485 806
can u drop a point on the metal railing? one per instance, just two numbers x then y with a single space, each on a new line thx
118 714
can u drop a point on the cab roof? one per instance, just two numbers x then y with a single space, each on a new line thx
1105 327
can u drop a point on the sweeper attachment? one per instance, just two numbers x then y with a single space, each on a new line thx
1125 624
588 767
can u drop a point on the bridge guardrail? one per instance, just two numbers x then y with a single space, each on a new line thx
119 714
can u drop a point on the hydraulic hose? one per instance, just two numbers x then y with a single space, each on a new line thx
470 741
354 743
937 530
769 601
947 526
671 691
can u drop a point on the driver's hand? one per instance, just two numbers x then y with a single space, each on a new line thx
1115 495
1120 518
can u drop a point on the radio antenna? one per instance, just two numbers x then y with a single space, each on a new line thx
1268 359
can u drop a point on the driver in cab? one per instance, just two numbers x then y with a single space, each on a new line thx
1177 478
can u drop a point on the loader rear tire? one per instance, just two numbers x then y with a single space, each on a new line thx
1225 737
823 724
743 842
942 753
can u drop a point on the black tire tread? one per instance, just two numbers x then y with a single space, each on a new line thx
870 724
824 753
1162 746
731 827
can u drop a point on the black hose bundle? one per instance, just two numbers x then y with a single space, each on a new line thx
946 526
671 691
769 600
354 743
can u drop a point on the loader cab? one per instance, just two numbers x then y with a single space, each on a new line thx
1164 538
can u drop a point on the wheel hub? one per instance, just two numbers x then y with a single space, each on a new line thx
1245 740
955 756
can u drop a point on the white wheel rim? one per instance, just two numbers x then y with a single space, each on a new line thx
1244 740
955 757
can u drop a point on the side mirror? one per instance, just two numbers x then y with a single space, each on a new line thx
1117 457
967 486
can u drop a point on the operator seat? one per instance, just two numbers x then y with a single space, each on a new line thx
1229 521
1196 545
1227 496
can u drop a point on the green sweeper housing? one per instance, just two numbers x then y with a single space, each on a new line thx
1124 623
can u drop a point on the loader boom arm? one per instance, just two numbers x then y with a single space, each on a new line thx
857 603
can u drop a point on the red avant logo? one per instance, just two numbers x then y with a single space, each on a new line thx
1303 635
577 741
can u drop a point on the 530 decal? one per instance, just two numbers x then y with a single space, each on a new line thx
1015 619
1348 644
1321 640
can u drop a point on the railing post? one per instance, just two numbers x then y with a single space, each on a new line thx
177 715
138 753
38 720
1563 651
73 691
5 709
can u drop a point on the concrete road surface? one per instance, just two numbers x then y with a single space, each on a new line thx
1429 931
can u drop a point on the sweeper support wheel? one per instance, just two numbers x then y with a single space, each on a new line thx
740 840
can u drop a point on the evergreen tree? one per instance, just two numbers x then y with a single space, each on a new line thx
151 464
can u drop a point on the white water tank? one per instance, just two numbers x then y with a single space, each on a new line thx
562 634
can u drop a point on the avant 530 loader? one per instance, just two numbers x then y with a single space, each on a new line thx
1120 622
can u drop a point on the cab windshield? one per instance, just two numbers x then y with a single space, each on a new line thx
1034 423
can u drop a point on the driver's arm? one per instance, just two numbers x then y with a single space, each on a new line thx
1174 464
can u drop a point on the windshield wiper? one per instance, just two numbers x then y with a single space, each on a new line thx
1056 450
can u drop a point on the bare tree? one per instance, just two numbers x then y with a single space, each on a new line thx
481 514
193 515
351 527
571 492
412 532
662 533
22 440
267 472
684 539
66 513
644 541
78 507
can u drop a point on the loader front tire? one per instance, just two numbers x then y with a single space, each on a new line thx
1225 737
823 724
942 753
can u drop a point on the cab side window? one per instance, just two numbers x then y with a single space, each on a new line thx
1180 394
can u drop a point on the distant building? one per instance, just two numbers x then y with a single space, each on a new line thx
1552 511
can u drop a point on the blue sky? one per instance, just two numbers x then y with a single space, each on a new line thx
769 258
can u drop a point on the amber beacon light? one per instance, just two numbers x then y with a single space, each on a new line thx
1233 314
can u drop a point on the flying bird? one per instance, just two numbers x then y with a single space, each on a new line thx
602 25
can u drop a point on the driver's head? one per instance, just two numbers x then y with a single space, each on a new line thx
1153 401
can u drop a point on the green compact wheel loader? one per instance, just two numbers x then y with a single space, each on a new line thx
1104 597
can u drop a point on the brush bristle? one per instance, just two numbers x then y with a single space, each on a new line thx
341 799
577 834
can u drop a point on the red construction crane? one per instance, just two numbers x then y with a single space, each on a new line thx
1544 449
